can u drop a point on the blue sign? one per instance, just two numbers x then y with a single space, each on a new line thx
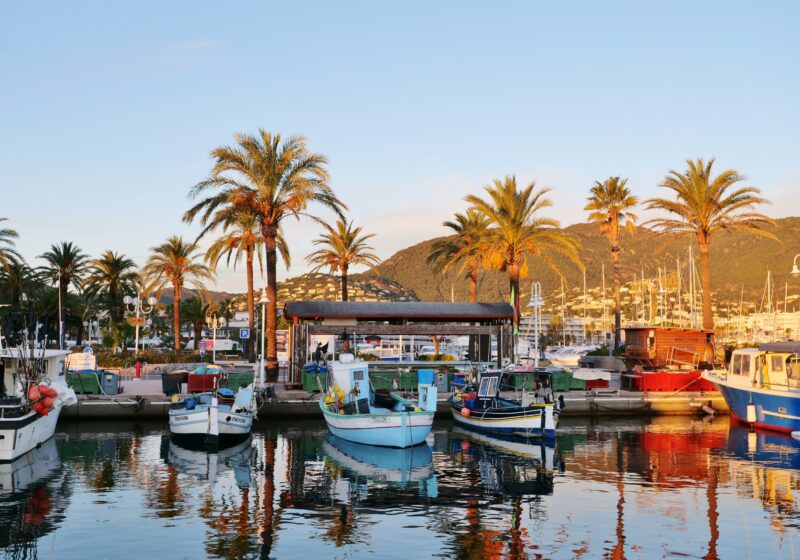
244 334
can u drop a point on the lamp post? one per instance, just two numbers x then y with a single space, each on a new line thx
263 301
139 307
537 302
211 321
795 271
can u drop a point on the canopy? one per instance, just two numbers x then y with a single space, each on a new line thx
211 368
591 374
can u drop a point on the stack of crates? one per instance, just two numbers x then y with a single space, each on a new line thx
84 383
243 379
562 380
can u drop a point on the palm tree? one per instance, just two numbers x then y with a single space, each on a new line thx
342 247
706 205
15 280
465 248
270 180
7 253
65 264
114 275
610 205
517 231
242 236
194 311
175 263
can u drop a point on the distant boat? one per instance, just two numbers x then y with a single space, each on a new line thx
214 418
762 385
357 413
482 407
568 356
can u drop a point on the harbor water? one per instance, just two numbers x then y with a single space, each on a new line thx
669 487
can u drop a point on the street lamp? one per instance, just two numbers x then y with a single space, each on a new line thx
795 271
263 301
139 307
211 321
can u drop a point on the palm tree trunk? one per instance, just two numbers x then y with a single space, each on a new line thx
251 307
705 282
472 280
344 282
62 286
617 299
176 314
270 234
513 282
198 332
113 308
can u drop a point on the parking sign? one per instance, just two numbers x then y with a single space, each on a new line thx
244 334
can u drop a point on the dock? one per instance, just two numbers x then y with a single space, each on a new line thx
142 399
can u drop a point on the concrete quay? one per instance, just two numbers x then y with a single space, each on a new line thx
142 399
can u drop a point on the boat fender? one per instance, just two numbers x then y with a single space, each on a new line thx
33 393
465 411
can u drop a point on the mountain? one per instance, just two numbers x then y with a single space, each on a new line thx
738 262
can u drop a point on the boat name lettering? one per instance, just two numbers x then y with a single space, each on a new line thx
180 418
380 419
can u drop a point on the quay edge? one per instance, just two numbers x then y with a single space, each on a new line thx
304 405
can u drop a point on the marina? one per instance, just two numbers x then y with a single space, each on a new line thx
675 486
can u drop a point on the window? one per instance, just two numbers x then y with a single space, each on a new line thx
358 376
488 387
777 364
745 364
736 369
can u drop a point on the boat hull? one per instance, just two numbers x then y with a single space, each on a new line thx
775 410
20 435
396 429
192 426
529 423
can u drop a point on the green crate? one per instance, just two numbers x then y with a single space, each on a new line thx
237 380
381 379
310 383
576 384
84 383
562 380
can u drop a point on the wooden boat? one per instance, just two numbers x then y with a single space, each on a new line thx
213 418
762 386
535 414
355 412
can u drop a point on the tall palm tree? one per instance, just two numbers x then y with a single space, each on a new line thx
65 265
706 205
242 236
518 231
175 263
7 252
271 180
112 276
15 280
464 248
342 247
610 206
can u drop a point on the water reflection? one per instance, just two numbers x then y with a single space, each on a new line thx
33 498
614 489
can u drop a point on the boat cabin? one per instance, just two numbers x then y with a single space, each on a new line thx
52 364
771 366
352 377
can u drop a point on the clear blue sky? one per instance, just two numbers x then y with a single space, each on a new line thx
109 111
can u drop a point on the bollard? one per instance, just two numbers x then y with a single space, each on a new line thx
138 370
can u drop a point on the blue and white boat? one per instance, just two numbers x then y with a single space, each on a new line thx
354 411
762 386
534 415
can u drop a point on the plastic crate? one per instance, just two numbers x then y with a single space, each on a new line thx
576 384
203 382
83 383
381 379
236 380
309 381
562 380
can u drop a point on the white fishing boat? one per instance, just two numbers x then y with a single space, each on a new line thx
214 418
29 415
355 412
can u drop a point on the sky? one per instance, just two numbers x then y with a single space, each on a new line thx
110 109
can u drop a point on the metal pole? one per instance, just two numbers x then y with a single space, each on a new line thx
138 304
60 320
262 372
214 338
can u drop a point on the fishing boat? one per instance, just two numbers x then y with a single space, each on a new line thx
534 414
354 411
28 417
213 418
762 385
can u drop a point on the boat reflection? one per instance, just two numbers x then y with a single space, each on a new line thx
33 498
204 465
393 466
508 466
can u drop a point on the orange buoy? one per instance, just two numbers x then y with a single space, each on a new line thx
48 391
47 402
465 411
33 393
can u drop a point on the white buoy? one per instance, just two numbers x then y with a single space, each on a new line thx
751 413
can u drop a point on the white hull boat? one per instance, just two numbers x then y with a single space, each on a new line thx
202 419
20 435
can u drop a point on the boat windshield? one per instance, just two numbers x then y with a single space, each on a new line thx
488 387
